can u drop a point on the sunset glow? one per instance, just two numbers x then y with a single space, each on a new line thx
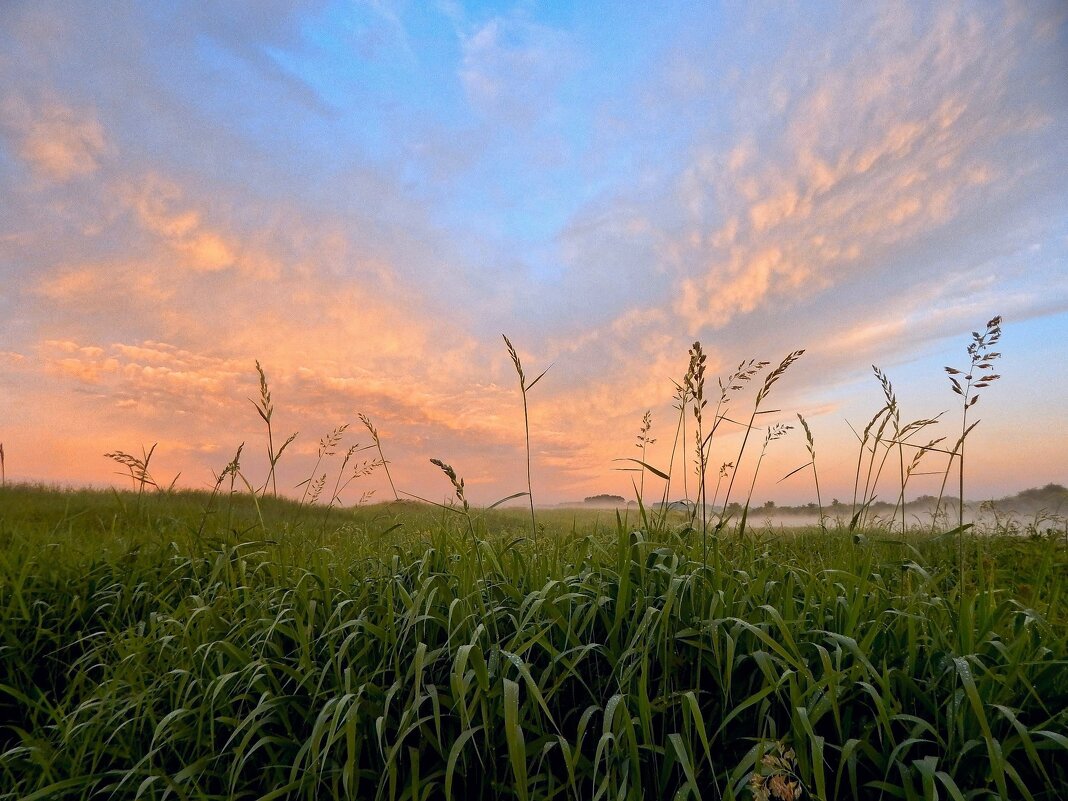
365 196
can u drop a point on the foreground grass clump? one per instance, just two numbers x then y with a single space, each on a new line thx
279 653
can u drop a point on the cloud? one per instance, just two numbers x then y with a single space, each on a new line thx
819 214
187 399
863 185
888 141
157 373
512 67
57 141
70 285
853 222
163 210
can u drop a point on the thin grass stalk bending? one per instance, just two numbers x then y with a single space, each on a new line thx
378 444
683 396
855 512
680 431
811 445
774 432
230 469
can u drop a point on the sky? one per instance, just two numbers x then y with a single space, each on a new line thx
364 196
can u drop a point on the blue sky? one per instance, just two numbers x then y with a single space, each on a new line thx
364 196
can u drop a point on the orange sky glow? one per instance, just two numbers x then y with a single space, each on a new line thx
365 197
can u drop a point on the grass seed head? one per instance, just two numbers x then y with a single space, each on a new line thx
515 361
777 373
457 482
264 406
367 424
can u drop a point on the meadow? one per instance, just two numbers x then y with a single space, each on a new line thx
160 644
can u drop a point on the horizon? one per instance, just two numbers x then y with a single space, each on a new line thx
131 486
364 197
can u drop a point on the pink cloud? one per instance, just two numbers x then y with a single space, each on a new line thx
57 141
840 193
163 209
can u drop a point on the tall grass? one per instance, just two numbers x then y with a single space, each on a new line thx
974 377
810 444
265 409
232 645
524 388
370 661
381 456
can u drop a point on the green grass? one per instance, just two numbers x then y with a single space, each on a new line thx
236 645
260 649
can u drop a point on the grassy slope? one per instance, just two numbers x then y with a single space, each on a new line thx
150 647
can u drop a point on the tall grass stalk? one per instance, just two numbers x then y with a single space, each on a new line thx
977 375
265 409
761 395
382 457
230 470
360 469
906 473
891 420
897 440
137 470
681 401
694 383
644 441
524 388
810 443
774 432
871 443
327 444
476 546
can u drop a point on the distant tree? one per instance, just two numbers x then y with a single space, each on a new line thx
1050 492
769 504
605 499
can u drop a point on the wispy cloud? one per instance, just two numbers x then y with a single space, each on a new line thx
512 67
882 149
161 210
873 157
58 142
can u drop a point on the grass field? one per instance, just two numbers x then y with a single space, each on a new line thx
176 645
234 645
